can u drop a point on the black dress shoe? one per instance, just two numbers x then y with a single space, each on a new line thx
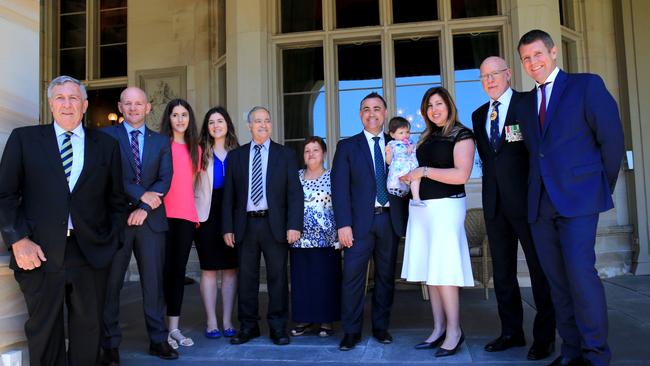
443 352
349 341
540 350
163 350
434 344
245 335
565 361
382 336
280 337
504 342
110 357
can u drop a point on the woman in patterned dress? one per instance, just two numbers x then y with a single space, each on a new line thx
315 258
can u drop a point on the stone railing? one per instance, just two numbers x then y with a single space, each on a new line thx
13 312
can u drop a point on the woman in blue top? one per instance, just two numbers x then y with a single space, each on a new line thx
217 138
315 258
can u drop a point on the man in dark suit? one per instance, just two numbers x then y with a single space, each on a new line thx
262 214
505 171
62 208
147 172
369 222
573 132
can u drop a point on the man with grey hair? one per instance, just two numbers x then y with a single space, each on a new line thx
62 208
262 214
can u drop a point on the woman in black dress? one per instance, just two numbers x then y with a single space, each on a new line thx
217 138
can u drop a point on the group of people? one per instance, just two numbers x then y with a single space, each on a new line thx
77 203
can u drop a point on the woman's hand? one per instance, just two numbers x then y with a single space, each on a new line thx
414 174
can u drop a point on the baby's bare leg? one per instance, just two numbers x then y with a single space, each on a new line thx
415 189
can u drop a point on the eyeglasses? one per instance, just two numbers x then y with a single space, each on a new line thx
492 75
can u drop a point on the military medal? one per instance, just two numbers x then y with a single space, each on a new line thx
513 133
493 115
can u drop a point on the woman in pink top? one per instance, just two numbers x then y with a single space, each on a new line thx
179 124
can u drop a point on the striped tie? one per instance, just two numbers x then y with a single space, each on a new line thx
66 155
135 148
256 183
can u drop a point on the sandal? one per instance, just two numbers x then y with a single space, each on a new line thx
213 333
300 329
172 343
230 332
176 335
325 332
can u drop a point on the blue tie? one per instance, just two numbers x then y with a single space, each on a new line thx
380 174
494 125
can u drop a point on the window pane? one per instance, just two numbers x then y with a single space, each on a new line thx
111 4
73 31
72 6
357 13
112 61
408 105
302 69
304 115
113 26
73 63
414 11
101 102
221 27
417 61
297 147
473 8
359 74
301 15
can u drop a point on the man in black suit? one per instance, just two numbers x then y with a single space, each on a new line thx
62 208
147 171
505 170
369 221
262 214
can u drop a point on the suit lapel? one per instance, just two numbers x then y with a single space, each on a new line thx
362 144
147 153
272 156
90 158
51 152
556 95
246 165
482 133
125 144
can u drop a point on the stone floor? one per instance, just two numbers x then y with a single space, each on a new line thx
629 319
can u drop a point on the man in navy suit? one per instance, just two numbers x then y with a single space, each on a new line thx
262 214
369 221
147 174
573 132
62 208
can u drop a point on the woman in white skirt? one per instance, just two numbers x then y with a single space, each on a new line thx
436 249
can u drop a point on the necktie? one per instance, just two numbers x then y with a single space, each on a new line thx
256 182
380 174
494 124
135 148
542 107
66 155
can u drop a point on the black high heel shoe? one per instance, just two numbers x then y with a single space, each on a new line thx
443 352
433 344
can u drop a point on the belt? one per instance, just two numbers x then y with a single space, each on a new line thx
380 210
260 213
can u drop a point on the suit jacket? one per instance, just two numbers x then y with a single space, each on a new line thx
505 171
284 194
578 154
353 188
35 200
156 174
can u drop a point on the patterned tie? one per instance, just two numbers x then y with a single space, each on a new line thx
494 125
66 155
380 174
135 148
256 183
542 107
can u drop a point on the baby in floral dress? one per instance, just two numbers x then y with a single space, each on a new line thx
400 155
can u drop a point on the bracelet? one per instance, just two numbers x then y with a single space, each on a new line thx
426 169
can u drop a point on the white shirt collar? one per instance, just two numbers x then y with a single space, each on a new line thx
551 78
265 144
504 99
369 136
78 131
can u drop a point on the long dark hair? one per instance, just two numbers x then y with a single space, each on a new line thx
207 141
190 136
452 113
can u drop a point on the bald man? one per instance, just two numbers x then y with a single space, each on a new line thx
505 171
147 174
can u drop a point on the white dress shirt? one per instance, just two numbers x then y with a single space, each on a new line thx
382 147
264 152
142 130
548 89
504 99
77 142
